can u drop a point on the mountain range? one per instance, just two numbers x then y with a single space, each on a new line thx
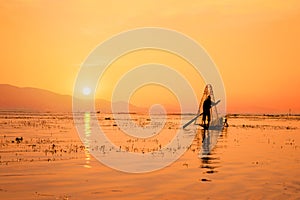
30 99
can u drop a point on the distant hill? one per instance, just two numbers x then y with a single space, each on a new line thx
33 99
39 100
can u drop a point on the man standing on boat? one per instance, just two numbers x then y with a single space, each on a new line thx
207 104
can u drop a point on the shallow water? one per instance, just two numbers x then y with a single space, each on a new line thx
256 157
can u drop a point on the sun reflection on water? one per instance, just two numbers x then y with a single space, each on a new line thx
87 131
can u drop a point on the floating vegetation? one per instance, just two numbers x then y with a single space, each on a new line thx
264 126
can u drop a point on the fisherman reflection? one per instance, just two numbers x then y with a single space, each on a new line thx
205 142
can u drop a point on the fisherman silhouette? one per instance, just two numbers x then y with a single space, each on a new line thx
206 112
207 104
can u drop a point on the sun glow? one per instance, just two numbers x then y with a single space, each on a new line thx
86 91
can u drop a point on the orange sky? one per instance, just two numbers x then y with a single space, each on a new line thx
255 44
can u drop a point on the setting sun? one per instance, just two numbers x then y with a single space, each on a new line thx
86 91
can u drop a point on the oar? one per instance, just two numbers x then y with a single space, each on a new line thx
192 120
214 104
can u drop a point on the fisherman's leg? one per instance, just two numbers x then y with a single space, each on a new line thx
208 119
203 118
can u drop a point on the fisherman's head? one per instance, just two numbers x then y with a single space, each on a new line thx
208 96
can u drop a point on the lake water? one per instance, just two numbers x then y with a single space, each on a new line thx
256 157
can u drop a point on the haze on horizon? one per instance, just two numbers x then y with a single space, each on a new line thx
255 45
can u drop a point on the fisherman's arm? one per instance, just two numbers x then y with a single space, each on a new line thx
215 103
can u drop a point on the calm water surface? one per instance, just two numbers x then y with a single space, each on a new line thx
256 157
